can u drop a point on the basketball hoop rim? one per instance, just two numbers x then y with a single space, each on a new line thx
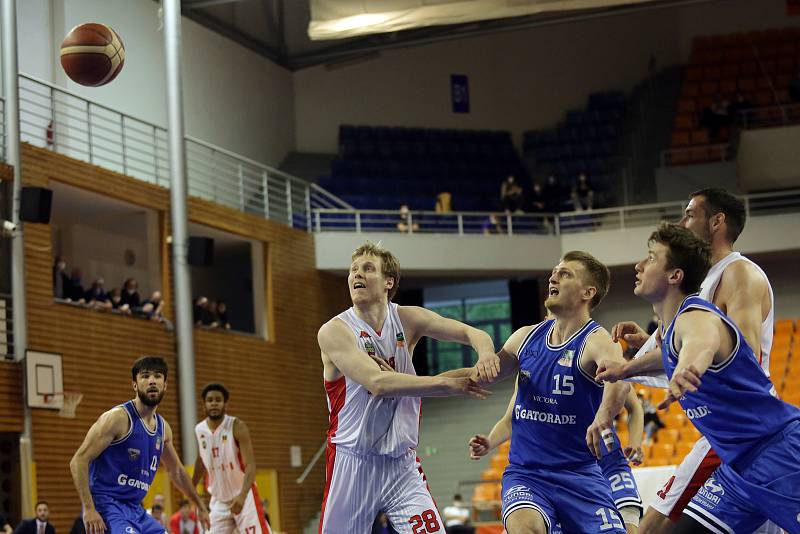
67 393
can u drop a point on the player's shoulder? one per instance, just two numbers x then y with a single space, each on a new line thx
599 339
332 328
742 271
517 339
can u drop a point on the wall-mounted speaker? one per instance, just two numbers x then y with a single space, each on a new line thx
201 251
35 204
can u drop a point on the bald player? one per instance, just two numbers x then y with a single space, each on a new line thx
739 288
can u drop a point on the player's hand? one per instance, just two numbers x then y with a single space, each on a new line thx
469 387
685 381
610 371
488 367
202 516
238 503
635 455
633 334
600 433
93 522
383 364
478 446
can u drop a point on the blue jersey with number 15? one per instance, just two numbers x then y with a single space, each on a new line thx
125 470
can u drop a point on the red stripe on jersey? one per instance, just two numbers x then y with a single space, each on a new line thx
260 511
707 466
337 392
330 457
425 479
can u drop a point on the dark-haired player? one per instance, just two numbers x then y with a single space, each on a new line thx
226 459
115 465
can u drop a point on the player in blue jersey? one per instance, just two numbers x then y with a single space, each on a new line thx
114 467
717 379
562 417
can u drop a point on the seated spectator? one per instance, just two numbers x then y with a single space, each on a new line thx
536 201
184 521
553 195
739 104
117 304
444 202
404 225
38 524
75 292
222 315
130 295
212 318
61 281
200 311
96 296
456 517
152 308
510 194
492 225
583 194
652 422
794 88
715 117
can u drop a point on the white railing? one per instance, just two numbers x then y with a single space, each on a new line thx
69 124
475 223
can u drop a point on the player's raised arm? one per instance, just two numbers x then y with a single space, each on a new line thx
180 477
421 322
480 445
242 436
110 426
338 345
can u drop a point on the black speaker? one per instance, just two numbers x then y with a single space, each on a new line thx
525 305
201 251
35 204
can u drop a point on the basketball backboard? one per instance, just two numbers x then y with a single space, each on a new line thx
44 376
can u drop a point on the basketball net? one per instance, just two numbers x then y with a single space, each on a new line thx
70 404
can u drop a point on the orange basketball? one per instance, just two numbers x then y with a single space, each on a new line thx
92 54
623 344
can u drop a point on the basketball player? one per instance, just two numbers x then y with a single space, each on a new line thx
721 386
371 464
741 290
226 456
114 467
614 463
559 409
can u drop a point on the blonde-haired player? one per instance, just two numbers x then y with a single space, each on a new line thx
227 460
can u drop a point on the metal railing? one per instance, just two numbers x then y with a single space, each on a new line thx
6 328
62 121
769 116
696 154
476 223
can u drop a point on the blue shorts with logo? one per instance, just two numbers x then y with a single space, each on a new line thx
766 485
578 498
617 471
123 517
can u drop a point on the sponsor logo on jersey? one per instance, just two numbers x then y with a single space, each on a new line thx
124 480
130 530
566 358
158 443
711 492
133 454
224 437
544 417
517 492
369 347
714 487
697 413
203 443
401 340
363 334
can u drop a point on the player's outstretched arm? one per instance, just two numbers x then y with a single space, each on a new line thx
338 345
633 406
421 322
180 477
697 340
480 445
242 436
199 473
110 426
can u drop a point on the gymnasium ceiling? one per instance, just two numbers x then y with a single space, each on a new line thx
279 29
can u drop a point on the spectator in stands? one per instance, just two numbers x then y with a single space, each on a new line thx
456 517
158 498
96 296
117 304
78 527
536 200
213 318
201 315
652 422
222 315
405 223
184 521
553 195
443 202
715 117
5 526
75 291
130 295
152 308
739 104
492 225
157 511
582 194
794 88
61 282
510 194
39 524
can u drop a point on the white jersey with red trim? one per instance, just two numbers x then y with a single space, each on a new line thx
708 290
361 422
220 454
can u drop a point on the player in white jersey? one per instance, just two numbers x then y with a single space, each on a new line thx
374 400
742 291
226 461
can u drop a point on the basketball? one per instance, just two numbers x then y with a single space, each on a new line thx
92 54
624 345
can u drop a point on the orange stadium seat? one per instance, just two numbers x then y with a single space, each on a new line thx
690 434
682 449
784 326
674 420
680 139
500 461
492 474
668 435
658 462
662 450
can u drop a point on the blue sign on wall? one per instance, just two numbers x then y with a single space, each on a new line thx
459 92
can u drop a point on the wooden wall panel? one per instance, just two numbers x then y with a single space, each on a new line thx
276 385
10 397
